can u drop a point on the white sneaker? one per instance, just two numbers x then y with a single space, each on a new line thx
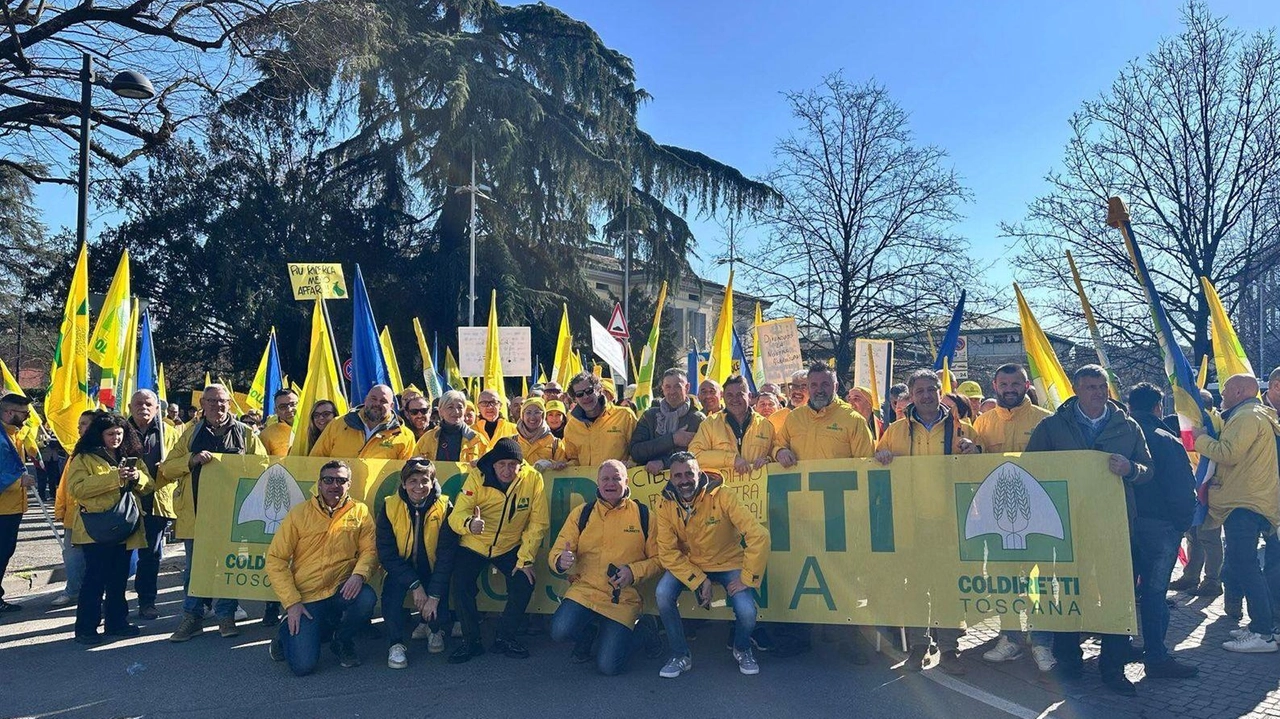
241 614
396 658
457 630
435 643
63 600
746 662
1250 643
1239 633
422 631
675 667
1044 658
1003 651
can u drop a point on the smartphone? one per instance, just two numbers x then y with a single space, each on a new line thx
129 462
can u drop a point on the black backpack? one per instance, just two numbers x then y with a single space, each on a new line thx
590 506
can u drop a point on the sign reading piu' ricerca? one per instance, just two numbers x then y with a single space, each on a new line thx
925 541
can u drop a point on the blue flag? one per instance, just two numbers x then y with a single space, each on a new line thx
146 375
368 368
11 466
743 363
947 350
275 377
693 368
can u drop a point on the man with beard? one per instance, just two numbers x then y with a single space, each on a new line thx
668 426
417 414
702 530
14 410
823 427
278 436
596 429
370 431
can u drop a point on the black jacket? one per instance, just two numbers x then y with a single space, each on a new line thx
647 445
1171 493
402 571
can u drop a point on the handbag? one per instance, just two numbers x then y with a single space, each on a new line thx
115 525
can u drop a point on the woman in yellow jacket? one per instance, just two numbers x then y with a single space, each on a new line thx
453 440
541 448
103 468
63 509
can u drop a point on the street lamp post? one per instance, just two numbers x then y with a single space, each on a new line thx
128 84
473 189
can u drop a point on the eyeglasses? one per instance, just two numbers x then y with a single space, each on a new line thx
333 481
584 393
488 403
324 414
418 410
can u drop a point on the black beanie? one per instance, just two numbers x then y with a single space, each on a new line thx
505 448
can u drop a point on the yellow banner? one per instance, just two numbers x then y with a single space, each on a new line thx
927 541
317 279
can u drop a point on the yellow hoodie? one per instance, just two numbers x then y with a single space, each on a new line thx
1246 455
316 549
1007 430
517 517
708 536
837 432
95 485
613 535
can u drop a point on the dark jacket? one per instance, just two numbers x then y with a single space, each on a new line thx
647 445
1171 493
417 567
1120 435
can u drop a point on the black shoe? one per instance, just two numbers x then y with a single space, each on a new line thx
950 663
915 659
148 612
276 650
1120 684
271 619
1207 588
346 652
510 648
1184 583
6 607
89 640
128 630
1172 669
465 653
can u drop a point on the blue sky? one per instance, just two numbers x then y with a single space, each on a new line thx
991 82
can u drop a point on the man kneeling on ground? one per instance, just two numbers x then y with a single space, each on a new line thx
606 548
318 562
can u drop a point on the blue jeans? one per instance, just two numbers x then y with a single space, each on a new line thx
302 650
744 611
73 561
223 608
1155 549
616 641
1240 535
1272 569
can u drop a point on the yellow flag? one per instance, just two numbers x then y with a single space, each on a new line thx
1046 372
1228 356
322 382
562 367
31 428
1203 376
160 385
389 357
492 352
107 345
451 373
258 387
236 405
524 386
207 381
875 380
430 379
575 368
127 375
722 343
68 393
946 375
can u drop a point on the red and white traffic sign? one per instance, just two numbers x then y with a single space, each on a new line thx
618 324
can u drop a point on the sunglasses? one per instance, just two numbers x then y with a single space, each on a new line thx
584 393
333 481
612 572
417 411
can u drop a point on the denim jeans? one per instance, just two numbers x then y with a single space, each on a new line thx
1271 568
616 642
394 613
73 562
223 608
1039 637
345 617
106 574
148 572
1155 549
1241 531
744 611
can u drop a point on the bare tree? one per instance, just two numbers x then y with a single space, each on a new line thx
1189 136
862 244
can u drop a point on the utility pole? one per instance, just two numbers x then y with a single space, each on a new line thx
473 189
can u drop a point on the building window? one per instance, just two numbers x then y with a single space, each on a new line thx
695 298
602 286
697 325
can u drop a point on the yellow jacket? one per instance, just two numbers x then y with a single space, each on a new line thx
1007 430
13 500
95 486
345 438
402 527
716 446
1246 455
908 437
176 470
504 428
62 501
607 437
473 447
517 517
277 438
837 432
708 537
315 550
777 419
547 446
613 535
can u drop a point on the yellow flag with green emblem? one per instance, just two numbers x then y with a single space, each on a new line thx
68 393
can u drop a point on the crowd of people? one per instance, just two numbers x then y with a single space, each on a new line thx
697 536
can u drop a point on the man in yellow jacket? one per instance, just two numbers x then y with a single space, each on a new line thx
215 432
824 427
928 429
596 429
277 437
1245 501
370 431
701 532
737 439
14 410
501 518
492 423
318 563
157 440
607 547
